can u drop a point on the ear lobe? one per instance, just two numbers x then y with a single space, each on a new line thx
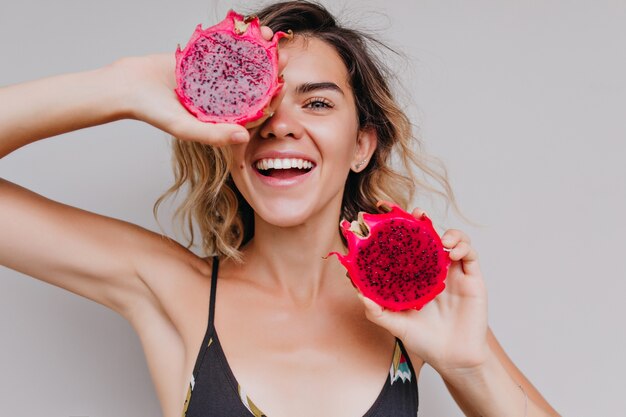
365 146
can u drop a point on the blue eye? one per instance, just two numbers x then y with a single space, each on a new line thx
318 103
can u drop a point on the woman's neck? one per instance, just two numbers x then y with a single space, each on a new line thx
292 259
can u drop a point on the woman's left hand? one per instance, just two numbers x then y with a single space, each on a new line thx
450 332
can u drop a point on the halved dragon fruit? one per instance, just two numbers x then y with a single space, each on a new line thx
395 259
228 73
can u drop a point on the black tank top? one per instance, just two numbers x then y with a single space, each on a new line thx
214 391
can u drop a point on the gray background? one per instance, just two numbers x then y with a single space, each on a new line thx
523 101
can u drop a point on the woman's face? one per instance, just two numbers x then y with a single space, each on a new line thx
314 130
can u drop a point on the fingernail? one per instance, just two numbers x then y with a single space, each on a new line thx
239 137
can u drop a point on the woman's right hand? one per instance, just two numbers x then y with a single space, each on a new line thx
147 84
150 81
139 88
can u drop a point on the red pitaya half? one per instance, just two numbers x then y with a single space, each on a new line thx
395 259
228 73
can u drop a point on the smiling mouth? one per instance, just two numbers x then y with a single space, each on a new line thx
283 167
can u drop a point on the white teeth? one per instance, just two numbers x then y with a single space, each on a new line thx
283 163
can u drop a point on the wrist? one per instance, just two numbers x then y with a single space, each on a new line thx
474 372
120 98
143 88
470 360
488 388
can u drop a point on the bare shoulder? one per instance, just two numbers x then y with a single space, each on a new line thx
178 282
159 286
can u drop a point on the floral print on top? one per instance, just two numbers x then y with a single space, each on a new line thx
399 370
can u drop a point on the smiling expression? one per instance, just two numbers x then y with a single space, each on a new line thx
297 162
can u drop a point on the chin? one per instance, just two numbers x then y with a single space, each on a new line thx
283 213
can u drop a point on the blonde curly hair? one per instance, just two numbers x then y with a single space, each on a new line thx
214 205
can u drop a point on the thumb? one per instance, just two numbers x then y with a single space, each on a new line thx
217 134
387 319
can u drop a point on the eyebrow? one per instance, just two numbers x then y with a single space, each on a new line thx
327 85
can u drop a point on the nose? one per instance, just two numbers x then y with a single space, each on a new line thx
283 123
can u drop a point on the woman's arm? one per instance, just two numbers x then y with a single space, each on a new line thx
514 387
451 334
140 88
88 254
51 106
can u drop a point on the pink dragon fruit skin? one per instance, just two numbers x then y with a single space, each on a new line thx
228 73
395 259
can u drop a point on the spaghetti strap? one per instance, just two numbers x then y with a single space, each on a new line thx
210 329
214 389
213 290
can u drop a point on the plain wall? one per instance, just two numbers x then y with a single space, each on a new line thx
525 103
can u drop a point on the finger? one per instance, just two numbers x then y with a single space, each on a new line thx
467 256
283 57
452 237
462 250
390 320
267 33
275 102
375 313
418 213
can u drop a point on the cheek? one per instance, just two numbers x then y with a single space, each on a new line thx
336 139
237 175
238 156
346 148
237 162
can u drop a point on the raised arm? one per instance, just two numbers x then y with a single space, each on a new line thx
91 255
139 88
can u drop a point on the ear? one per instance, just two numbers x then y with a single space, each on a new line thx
365 146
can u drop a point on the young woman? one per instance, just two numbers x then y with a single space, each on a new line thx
294 338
